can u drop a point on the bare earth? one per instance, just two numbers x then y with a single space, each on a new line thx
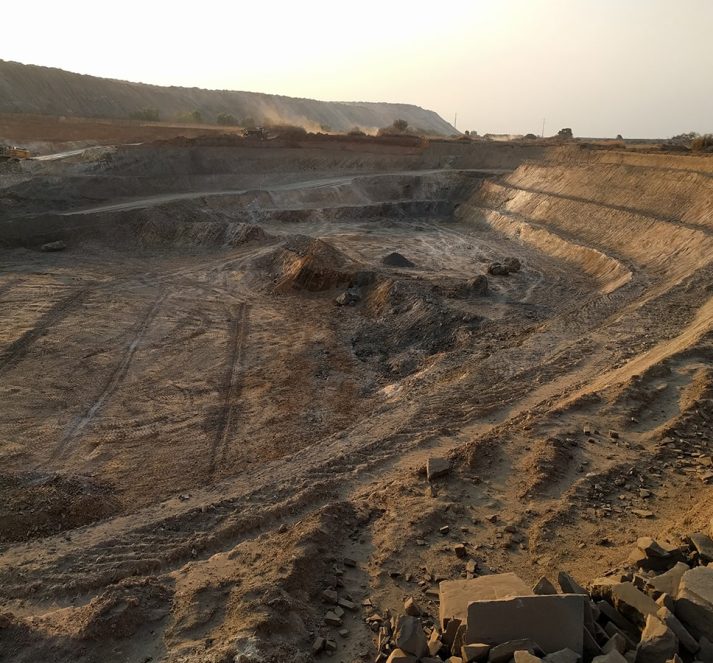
194 436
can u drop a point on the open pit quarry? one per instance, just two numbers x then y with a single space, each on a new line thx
277 401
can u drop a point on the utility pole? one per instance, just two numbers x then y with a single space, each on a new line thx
455 121
542 135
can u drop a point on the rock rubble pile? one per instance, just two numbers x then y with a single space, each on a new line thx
658 610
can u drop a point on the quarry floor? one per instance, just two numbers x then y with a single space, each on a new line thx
194 436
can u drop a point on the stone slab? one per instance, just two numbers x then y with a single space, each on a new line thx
437 467
704 546
658 642
455 595
554 622
667 583
694 601
633 604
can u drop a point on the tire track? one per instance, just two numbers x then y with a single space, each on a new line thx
114 380
20 346
9 285
231 388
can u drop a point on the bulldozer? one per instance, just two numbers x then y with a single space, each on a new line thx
10 152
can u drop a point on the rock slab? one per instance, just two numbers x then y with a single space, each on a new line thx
555 622
694 601
658 642
455 595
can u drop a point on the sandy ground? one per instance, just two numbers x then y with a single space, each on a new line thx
195 437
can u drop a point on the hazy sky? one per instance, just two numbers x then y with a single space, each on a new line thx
635 67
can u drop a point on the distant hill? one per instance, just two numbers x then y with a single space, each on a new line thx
48 91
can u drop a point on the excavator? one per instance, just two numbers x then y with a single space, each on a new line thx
9 152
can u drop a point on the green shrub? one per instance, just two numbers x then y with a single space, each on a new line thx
194 117
145 114
226 120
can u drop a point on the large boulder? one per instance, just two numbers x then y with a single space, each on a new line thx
59 245
658 642
686 640
667 583
498 269
507 266
349 297
512 264
455 595
633 604
704 546
694 601
437 467
478 285
410 636
555 622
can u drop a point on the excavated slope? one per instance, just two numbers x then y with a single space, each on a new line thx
614 214
641 225
246 444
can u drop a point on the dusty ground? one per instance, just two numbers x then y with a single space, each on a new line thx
194 436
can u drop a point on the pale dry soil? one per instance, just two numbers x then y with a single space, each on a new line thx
193 437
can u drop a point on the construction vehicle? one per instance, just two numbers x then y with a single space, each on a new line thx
10 152
257 132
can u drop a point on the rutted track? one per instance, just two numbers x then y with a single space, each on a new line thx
231 388
6 287
21 346
113 382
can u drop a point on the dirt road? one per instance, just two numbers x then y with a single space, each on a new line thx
301 185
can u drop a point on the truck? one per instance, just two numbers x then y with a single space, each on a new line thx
8 152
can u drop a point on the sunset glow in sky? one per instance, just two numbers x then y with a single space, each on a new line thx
642 68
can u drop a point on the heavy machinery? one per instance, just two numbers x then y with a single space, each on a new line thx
10 152
257 132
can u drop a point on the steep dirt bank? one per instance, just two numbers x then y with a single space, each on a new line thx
650 213
49 91
249 443
107 174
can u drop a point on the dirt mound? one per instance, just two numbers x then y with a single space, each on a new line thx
121 610
545 464
507 266
408 321
128 612
397 260
35 505
305 263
